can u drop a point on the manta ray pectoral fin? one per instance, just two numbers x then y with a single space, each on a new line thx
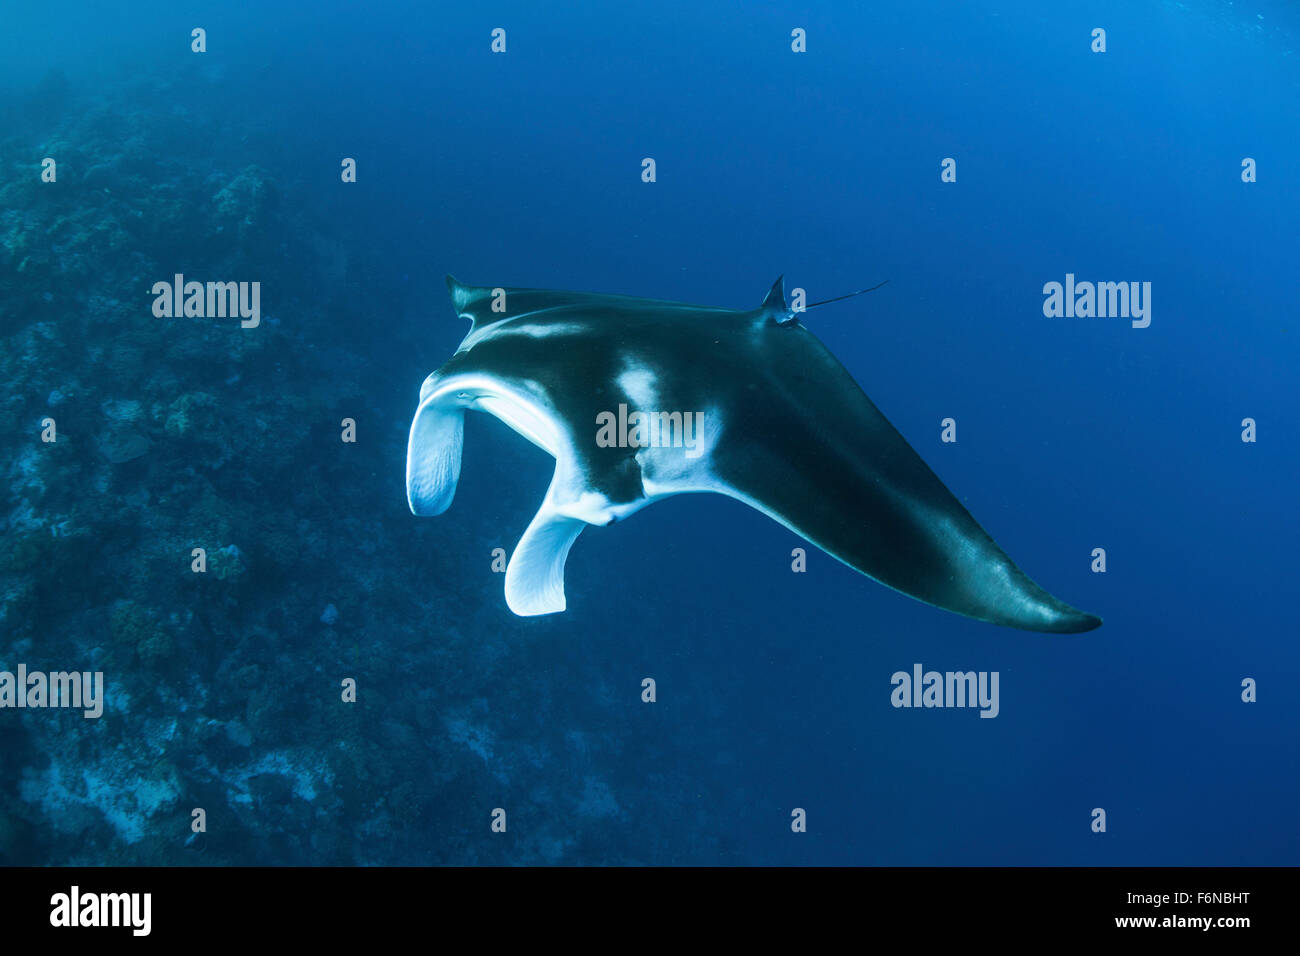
828 465
535 575
433 454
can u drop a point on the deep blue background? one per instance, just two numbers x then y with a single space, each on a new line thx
524 170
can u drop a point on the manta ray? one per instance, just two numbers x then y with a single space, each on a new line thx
747 403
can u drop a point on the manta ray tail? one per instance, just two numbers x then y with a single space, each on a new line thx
775 307
813 305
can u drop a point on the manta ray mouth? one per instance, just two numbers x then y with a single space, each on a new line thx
525 418
434 448
535 574
513 405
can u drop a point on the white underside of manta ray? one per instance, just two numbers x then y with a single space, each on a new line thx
778 424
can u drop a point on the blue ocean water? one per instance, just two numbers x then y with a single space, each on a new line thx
524 168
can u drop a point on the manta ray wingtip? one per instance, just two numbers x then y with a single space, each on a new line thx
1090 622
1075 622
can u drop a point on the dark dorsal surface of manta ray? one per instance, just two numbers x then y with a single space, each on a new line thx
764 413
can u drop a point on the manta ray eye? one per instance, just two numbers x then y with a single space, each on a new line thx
463 395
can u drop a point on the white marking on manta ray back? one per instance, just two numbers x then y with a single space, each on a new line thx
639 383
532 330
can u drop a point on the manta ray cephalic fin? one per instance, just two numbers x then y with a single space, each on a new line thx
433 454
535 575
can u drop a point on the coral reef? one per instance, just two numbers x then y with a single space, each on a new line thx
223 687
